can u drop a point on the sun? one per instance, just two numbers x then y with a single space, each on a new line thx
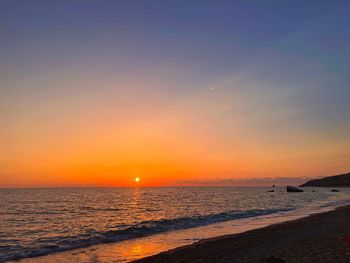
137 179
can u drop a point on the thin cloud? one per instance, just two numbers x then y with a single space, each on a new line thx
266 181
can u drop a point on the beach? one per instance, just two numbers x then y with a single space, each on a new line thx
116 238
317 238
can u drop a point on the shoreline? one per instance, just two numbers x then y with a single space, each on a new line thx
315 238
150 247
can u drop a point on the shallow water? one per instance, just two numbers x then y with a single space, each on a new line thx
37 222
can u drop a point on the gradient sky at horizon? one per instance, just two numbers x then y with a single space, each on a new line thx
99 92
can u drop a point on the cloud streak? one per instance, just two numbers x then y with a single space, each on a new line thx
266 181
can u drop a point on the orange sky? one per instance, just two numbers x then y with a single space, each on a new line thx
185 94
103 143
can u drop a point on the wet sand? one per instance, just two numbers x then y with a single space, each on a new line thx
317 238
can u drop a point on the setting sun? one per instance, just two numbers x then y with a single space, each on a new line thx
137 179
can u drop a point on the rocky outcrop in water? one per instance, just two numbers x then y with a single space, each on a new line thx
292 189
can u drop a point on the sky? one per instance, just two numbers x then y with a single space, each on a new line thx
96 93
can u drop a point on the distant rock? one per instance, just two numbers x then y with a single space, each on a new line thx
335 190
292 189
342 180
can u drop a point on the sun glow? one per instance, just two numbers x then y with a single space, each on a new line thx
137 179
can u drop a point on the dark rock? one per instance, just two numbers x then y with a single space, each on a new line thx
335 190
292 189
271 191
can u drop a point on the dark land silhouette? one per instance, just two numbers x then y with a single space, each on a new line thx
342 180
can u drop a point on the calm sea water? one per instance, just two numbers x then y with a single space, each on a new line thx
37 222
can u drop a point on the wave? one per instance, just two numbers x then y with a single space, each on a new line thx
145 228
338 203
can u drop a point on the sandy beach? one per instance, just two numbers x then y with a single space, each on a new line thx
173 234
317 238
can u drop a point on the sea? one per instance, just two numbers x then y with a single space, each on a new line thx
37 223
